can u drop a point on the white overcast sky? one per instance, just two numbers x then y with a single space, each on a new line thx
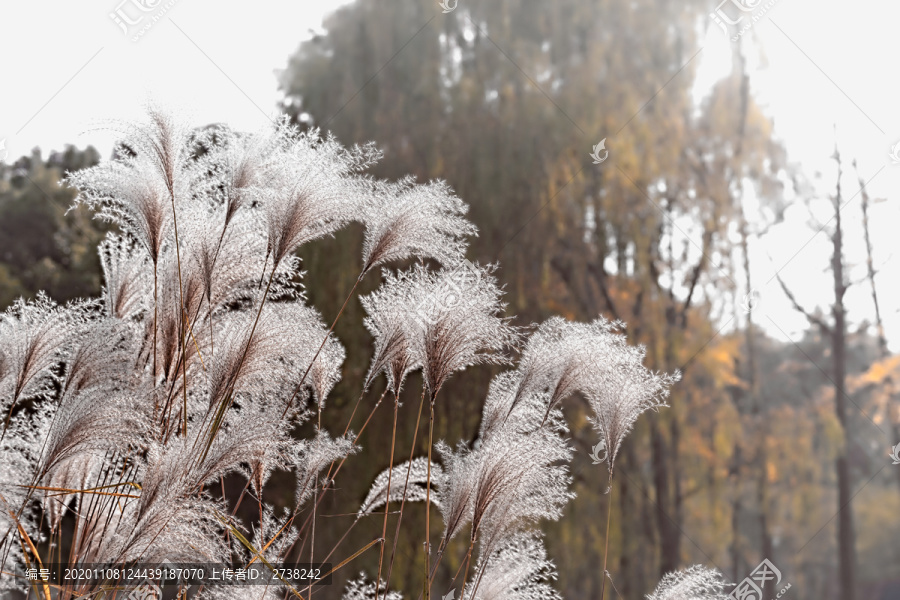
68 67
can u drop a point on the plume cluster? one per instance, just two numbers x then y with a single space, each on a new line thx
595 360
140 402
441 321
123 415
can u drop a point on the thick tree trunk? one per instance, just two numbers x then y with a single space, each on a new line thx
768 549
668 532
737 509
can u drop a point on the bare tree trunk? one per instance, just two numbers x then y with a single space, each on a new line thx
879 323
737 510
846 535
870 265
837 331
666 471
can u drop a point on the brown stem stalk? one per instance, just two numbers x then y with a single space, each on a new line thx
606 549
405 488
388 493
428 504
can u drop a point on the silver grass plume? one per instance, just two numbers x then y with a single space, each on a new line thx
99 407
312 188
595 360
125 194
559 357
363 589
405 220
76 473
622 391
460 479
173 285
249 435
36 335
524 477
498 405
518 570
281 348
153 172
418 472
20 451
128 277
232 167
312 456
517 476
390 324
458 312
226 253
694 583
263 534
88 422
271 453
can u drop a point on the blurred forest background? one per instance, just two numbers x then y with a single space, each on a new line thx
764 440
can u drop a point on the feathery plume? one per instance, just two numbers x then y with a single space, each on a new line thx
127 275
390 324
153 172
36 335
379 493
516 477
281 348
458 311
405 220
126 195
694 583
518 570
170 520
20 451
595 360
362 589
312 456
312 188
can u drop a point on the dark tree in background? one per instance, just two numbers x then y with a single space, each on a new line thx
505 100
43 244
